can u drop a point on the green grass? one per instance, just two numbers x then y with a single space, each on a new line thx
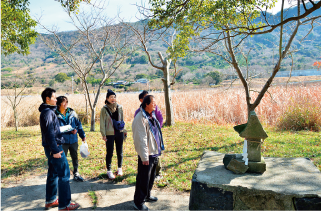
6 74
94 198
23 155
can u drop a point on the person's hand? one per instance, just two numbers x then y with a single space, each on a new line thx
146 163
84 139
104 138
58 155
74 131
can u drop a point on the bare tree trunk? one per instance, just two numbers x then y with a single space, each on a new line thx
15 118
92 120
168 96
87 118
144 37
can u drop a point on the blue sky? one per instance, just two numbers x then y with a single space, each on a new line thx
53 14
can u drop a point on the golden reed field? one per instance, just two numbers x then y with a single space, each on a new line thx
218 106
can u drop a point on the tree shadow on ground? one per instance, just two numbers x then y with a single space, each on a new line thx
22 167
183 160
30 195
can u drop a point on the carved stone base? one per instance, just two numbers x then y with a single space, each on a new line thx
257 167
253 167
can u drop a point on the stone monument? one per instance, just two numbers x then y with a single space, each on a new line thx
254 183
250 160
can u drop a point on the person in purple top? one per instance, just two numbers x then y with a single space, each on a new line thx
160 119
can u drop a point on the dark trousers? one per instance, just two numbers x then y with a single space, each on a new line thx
118 139
73 148
58 179
159 167
145 180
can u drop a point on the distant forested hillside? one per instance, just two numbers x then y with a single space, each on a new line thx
44 64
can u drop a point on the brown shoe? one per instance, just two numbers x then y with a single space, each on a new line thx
53 204
72 206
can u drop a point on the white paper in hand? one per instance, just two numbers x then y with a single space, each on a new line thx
66 128
84 151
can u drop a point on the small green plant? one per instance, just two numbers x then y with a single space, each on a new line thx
8 69
301 116
94 198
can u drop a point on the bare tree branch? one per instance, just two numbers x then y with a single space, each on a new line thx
96 37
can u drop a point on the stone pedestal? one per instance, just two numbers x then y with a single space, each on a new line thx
254 150
287 184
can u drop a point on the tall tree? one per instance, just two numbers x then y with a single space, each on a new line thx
17 27
98 43
216 24
145 35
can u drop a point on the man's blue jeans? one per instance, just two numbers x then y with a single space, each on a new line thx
58 178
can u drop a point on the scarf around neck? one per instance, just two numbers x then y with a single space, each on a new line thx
112 107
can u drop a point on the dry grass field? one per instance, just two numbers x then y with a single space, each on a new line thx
205 120
216 105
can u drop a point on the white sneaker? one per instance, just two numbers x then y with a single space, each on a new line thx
110 175
120 172
158 177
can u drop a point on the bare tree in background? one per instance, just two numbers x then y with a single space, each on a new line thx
224 31
145 35
16 89
98 44
232 38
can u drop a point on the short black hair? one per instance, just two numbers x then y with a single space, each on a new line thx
61 99
142 95
147 100
47 93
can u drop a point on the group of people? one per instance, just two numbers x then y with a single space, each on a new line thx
147 135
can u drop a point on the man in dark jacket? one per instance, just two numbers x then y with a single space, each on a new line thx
57 162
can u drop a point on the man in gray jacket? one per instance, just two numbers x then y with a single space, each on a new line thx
148 141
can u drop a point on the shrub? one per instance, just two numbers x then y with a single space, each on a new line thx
8 69
301 116
84 119
141 75
51 82
215 75
61 77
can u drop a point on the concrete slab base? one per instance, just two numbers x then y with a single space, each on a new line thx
287 184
